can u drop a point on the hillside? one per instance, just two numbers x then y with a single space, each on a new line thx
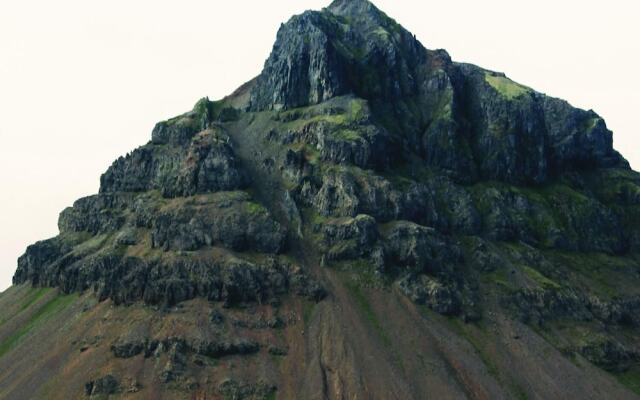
366 219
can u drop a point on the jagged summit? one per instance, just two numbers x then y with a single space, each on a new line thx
365 219
474 123
351 7
359 10
323 54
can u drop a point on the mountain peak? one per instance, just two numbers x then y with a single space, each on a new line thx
333 55
352 7
359 186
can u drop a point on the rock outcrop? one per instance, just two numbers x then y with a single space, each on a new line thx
360 158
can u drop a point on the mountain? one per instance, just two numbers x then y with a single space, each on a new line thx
366 219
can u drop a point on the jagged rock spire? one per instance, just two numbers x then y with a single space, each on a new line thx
318 56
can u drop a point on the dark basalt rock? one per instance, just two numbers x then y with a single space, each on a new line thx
465 124
578 137
231 221
232 389
36 256
95 214
205 115
105 386
540 305
303 69
129 279
259 323
422 289
609 355
419 249
277 351
574 222
207 165
208 348
349 238
129 349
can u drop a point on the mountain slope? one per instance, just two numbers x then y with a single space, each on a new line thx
365 219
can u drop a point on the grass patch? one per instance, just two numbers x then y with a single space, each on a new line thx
340 111
382 33
32 297
255 208
499 277
92 245
606 275
539 278
348 135
591 123
307 311
48 310
297 119
356 109
630 379
362 273
505 86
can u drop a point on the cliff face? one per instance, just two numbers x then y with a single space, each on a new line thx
474 123
362 193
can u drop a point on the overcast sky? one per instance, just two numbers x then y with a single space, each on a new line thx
84 81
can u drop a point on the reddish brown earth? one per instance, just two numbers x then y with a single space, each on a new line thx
357 344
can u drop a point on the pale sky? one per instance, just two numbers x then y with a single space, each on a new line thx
84 81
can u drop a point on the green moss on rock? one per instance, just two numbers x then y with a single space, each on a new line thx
505 86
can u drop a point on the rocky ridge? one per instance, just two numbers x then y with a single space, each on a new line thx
360 152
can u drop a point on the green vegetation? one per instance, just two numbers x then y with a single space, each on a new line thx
215 110
312 217
340 111
475 337
540 279
299 118
33 296
605 275
390 22
616 186
48 310
630 379
499 277
311 154
255 208
591 123
363 303
356 291
478 337
506 86
348 135
361 273
93 244
356 109
547 212
382 33
402 176
579 334
271 396
205 111
307 311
